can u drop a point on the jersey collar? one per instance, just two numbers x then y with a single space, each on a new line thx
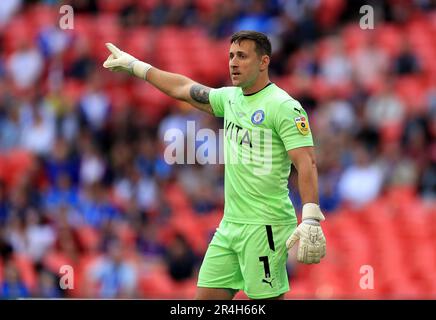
252 94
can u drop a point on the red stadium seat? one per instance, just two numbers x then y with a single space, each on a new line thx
88 237
84 28
72 90
126 234
177 199
412 91
156 284
151 103
112 6
192 231
328 12
207 6
120 97
388 38
147 4
185 289
16 163
19 31
40 16
405 289
300 289
140 43
54 260
354 37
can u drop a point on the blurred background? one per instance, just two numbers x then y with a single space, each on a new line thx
83 181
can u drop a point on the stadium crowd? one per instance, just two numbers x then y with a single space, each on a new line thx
83 179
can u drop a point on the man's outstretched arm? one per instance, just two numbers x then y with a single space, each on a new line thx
174 85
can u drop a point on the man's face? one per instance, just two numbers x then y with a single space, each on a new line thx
244 63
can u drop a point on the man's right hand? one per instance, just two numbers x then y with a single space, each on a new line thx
121 61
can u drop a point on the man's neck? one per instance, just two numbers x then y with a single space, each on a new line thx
259 85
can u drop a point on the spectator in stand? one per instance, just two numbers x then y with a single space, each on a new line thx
181 259
385 107
362 181
53 41
7 10
305 63
31 237
4 204
329 170
48 284
83 64
10 132
148 243
197 181
114 276
13 286
302 15
137 188
256 17
94 106
94 206
416 141
149 163
92 165
406 62
27 58
40 135
181 13
62 160
223 18
60 194
427 183
339 114
336 67
400 170
369 62
40 236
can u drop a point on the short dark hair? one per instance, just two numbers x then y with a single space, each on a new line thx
263 44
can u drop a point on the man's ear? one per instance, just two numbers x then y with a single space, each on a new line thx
264 62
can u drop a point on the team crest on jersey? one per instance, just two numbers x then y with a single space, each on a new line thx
258 117
302 125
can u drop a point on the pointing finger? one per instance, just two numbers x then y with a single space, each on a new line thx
115 51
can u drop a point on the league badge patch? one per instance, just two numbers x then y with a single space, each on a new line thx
302 125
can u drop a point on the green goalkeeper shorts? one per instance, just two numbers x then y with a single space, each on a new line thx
247 257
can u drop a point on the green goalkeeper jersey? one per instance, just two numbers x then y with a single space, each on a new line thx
259 129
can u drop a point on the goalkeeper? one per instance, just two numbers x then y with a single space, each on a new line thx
249 249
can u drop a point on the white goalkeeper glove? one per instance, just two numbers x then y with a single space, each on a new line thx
312 245
122 61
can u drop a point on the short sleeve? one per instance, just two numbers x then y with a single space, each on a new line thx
217 99
292 125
